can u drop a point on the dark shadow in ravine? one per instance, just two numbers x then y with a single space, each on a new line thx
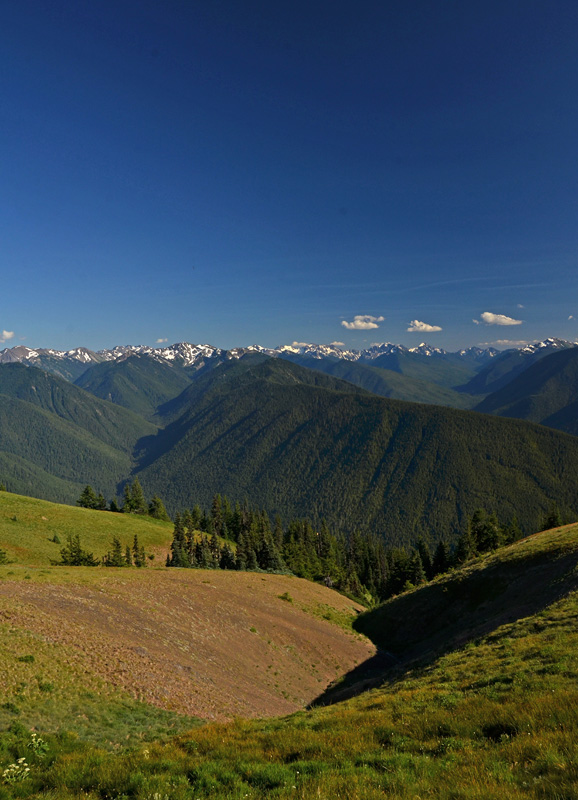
418 627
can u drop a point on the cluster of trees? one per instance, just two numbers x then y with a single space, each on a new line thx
361 565
134 502
73 554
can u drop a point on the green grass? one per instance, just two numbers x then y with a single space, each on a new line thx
47 687
493 717
28 527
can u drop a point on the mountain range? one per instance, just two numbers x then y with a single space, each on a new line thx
297 440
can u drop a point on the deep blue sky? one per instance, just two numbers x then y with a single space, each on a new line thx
238 171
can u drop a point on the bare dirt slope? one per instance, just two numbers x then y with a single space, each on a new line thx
207 643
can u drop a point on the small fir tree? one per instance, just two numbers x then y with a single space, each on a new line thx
88 498
72 555
157 509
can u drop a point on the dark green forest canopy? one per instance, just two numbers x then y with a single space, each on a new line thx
294 441
140 383
298 447
546 392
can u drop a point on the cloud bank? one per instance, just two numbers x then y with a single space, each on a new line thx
362 322
496 319
415 326
161 341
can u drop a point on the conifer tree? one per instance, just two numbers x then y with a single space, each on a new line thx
138 502
87 498
127 499
3 555
157 509
178 556
552 519
441 559
425 555
217 514
138 554
101 502
416 571
513 532
227 558
115 557
72 555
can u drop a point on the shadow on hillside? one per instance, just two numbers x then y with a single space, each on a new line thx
418 627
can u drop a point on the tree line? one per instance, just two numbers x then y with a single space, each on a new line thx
134 502
73 554
241 537
361 565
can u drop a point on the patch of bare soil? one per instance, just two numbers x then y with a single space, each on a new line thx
210 644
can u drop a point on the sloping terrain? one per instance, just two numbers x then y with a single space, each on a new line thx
546 392
55 438
489 712
205 643
140 383
387 382
29 527
267 431
447 370
200 643
504 368
514 582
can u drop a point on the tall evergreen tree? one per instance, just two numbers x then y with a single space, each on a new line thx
441 559
157 509
115 557
137 498
87 498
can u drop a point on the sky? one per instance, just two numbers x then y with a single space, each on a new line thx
248 171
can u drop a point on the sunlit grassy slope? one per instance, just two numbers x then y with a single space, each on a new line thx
483 703
28 527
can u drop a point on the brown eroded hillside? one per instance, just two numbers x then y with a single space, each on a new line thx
206 643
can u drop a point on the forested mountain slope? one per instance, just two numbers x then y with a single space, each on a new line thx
140 382
387 382
547 392
296 447
55 437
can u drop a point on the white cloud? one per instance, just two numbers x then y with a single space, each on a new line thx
415 326
521 306
496 319
300 344
362 322
161 341
338 344
6 336
507 343
571 316
510 342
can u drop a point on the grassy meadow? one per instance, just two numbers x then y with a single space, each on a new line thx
479 700
29 526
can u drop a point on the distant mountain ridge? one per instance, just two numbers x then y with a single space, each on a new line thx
190 355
